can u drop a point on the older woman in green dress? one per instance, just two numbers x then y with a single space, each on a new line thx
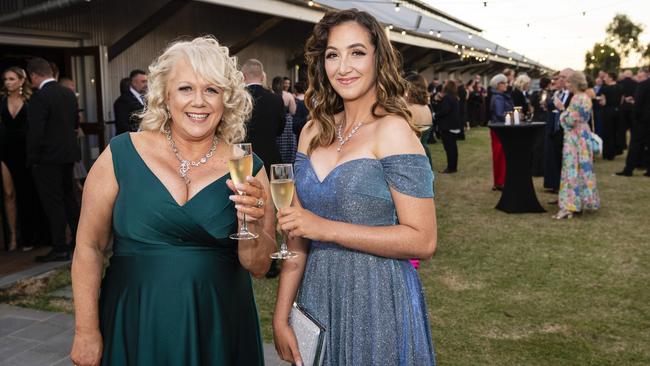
177 290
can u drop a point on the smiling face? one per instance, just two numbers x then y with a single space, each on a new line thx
12 81
196 106
350 61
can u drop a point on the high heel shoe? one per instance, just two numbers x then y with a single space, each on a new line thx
563 215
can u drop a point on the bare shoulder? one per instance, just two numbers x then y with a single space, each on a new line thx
102 169
395 136
307 134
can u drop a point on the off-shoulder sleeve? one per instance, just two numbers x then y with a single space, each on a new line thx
409 174
257 164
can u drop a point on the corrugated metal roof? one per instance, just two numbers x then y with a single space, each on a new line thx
420 21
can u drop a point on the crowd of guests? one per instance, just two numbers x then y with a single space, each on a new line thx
40 164
363 205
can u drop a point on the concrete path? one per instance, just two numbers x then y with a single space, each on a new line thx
38 338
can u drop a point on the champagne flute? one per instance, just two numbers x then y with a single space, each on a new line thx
282 189
241 166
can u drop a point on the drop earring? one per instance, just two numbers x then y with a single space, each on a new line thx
21 90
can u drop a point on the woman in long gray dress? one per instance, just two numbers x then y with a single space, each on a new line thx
363 206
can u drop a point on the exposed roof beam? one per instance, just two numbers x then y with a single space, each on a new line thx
274 7
255 34
154 20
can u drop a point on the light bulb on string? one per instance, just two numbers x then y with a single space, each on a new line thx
403 32
396 6
469 36
611 54
438 34
430 32
390 26
310 3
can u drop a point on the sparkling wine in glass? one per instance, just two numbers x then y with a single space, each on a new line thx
282 189
241 166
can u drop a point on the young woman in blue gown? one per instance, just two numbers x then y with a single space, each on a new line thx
363 205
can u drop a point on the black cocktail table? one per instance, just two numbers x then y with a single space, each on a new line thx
518 194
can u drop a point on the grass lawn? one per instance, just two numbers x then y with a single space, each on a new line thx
521 289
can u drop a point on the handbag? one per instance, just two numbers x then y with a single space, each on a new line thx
310 335
595 142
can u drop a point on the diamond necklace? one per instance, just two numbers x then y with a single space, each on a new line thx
185 166
339 134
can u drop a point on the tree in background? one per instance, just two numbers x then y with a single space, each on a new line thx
621 42
623 35
602 57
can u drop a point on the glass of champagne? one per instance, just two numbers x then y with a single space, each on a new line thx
241 166
282 189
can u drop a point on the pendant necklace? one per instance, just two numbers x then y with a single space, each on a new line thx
186 165
339 134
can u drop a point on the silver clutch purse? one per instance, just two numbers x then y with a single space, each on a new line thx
310 335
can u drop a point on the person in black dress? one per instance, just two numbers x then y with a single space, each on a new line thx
520 94
610 101
445 106
538 101
31 222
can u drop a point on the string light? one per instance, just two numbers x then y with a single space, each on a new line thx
310 3
456 46
510 58
611 54
396 6
469 36
390 26
602 51
430 32
438 34
403 32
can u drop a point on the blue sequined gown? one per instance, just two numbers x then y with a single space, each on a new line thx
373 307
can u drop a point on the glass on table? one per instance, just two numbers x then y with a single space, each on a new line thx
282 189
241 166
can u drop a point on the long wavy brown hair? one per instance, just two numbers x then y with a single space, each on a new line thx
324 102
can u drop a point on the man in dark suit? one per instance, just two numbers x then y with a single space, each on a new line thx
130 103
266 123
52 149
555 134
267 120
640 129
627 86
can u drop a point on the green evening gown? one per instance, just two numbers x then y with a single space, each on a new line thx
174 292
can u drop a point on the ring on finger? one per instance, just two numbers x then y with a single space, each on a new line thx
259 203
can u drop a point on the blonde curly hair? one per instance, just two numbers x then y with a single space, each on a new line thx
211 62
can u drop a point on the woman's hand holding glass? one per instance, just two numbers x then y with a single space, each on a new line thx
247 203
298 222
282 190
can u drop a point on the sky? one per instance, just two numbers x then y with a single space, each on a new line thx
554 33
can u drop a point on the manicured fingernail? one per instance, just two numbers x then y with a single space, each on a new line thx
232 198
239 185
237 207
249 178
